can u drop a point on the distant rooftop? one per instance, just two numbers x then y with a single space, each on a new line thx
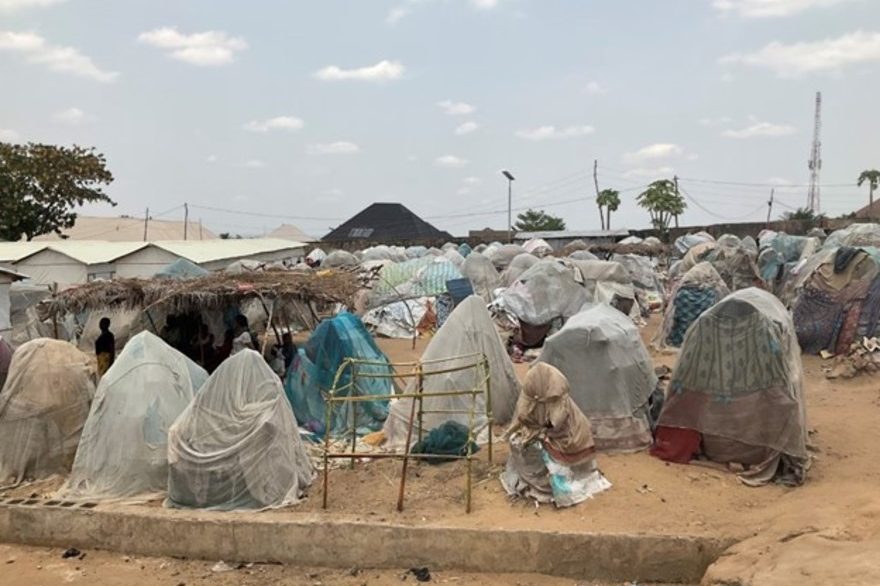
128 229
586 234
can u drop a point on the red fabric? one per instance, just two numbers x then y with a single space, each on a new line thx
675 444
848 331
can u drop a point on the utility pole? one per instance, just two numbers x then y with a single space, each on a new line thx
185 220
815 163
678 193
596 183
146 223
510 179
770 206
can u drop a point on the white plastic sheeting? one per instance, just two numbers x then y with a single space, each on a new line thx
237 445
538 247
399 319
518 266
123 451
468 330
546 291
482 274
5 321
43 407
602 355
340 258
502 255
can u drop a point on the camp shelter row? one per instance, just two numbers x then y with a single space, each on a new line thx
68 263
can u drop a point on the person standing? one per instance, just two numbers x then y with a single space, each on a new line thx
105 347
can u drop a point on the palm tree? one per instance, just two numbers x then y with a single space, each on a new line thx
610 200
872 177
663 203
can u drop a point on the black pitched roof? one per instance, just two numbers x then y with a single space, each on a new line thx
386 222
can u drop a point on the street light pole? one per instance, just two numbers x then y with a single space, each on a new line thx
510 180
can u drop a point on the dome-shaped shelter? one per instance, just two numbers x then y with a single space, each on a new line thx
545 292
340 259
123 451
736 393
237 446
837 298
482 275
502 255
43 408
698 290
520 264
313 372
468 330
600 352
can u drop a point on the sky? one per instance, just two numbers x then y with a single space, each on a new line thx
263 112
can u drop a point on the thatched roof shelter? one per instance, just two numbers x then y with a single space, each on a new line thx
294 290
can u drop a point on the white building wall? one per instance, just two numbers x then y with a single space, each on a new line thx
144 263
47 267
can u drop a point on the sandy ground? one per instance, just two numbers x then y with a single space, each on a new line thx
36 566
805 535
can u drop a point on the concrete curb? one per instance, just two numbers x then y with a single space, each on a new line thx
324 542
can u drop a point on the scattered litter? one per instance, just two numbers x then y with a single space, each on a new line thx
863 356
70 553
421 574
221 566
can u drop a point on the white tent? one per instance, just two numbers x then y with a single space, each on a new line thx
468 330
237 445
123 451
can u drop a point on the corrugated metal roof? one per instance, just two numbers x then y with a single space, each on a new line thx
553 234
13 251
90 252
202 251
12 274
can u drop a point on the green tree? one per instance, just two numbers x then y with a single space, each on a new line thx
807 217
538 221
41 185
663 203
610 200
872 178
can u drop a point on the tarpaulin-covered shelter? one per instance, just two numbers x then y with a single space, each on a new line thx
552 452
837 298
737 264
698 290
181 269
736 394
43 407
421 277
237 446
645 280
779 253
468 330
123 451
545 292
5 359
684 243
600 352
520 264
609 282
482 274
340 259
502 256
7 277
314 370
854 235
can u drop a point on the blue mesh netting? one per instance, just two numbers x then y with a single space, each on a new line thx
464 249
314 370
690 303
181 269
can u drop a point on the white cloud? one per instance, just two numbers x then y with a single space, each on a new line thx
12 5
255 164
211 159
728 77
485 4
760 129
209 48
289 123
333 148
472 180
450 161
456 108
463 190
8 135
654 151
717 121
466 128
71 116
57 58
781 181
651 172
412 158
798 59
769 8
594 88
382 71
397 14
550 132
